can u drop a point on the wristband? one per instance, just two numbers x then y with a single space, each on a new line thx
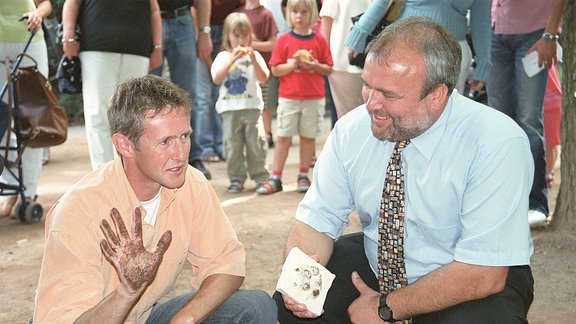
157 46
68 40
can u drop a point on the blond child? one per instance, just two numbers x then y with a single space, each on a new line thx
300 59
240 70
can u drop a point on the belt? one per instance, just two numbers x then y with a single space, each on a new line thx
170 14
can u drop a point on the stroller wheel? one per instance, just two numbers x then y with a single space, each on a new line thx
30 212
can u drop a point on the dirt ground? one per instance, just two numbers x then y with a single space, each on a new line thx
262 223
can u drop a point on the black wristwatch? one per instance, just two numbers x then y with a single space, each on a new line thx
384 311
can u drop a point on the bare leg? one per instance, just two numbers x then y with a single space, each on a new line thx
307 150
280 153
267 115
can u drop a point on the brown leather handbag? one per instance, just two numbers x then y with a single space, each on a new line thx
43 122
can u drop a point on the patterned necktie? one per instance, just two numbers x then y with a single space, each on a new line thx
391 266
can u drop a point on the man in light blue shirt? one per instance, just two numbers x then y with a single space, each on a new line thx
468 172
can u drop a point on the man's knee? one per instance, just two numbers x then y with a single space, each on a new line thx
258 307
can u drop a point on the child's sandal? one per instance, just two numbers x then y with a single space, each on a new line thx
269 187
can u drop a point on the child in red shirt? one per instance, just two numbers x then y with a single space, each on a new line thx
300 59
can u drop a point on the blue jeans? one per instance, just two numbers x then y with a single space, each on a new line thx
179 49
244 306
208 122
512 92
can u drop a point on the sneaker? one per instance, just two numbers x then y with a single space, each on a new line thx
303 183
271 186
235 187
536 218
200 166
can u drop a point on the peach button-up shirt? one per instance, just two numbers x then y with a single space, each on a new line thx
75 275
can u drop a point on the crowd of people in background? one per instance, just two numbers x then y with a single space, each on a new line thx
191 38
234 66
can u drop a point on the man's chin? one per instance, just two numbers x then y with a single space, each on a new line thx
381 133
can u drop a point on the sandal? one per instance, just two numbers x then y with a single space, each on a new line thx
303 183
235 187
271 186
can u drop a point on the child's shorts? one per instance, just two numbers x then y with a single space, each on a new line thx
299 117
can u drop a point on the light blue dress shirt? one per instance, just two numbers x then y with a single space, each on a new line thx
467 182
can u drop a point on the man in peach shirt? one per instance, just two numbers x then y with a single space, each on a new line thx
117 239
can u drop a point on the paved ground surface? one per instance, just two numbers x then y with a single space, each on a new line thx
262 223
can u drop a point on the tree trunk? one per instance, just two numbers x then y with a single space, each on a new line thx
565 212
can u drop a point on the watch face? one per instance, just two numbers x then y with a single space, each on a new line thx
549 37
385 313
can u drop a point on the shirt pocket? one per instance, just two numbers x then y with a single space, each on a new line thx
436 239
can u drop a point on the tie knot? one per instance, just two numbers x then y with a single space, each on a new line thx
401 145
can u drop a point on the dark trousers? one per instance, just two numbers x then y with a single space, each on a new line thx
509 306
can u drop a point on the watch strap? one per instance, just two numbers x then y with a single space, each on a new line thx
384 311
549 37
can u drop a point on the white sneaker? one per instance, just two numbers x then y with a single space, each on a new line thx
536 218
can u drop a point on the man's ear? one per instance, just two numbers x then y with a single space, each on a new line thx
438 97
123 145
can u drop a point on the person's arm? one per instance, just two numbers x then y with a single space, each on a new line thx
264 46
156 22
321 68
213 291
356 40
219 70
447 286
547 49
261 70
326 27
35 17
70 12
204 46
318 245
284 68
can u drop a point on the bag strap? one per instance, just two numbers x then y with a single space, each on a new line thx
22 55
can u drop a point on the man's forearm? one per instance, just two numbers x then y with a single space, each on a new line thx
214 291
447 286
203 9
156 23
310 241
114 308
555 18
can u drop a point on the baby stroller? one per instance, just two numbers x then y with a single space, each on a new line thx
27 211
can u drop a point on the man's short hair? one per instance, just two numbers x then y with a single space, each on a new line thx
436 45
137 98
